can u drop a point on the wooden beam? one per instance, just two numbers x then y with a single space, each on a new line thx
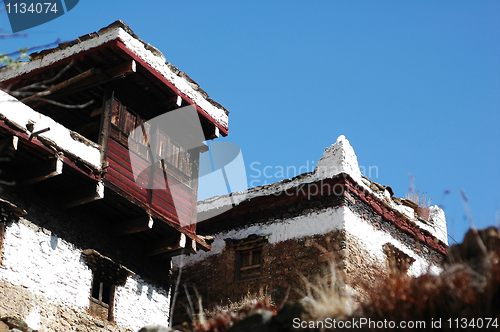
168 104
96 112
134 226
90 76
168 245
211 132
125 68
32 100
8 145
189 249
40 172
83 195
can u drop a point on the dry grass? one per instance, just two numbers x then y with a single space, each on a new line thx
327 295
222 318
467 288
421 199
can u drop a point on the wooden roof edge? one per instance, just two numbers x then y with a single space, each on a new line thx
17 211
190 90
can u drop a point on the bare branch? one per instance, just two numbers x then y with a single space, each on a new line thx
64 105
8 183
65 69
42 84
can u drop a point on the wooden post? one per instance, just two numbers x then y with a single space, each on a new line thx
83 195
2 235
134 226
108 105
194 160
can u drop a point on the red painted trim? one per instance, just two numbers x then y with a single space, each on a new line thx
401 221
187 230
347 185
36 144
119 44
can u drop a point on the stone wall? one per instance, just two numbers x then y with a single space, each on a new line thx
45 280
364 228
43 314
283 264
353 234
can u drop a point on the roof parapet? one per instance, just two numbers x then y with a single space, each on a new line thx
338 160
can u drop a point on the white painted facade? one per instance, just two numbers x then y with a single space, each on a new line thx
373 241
54 269
337 159
317 223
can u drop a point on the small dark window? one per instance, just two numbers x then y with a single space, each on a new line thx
249 263
102 298
397 260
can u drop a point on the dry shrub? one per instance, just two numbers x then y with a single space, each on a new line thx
327 295
222 318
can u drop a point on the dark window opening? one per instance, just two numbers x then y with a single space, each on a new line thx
102 298
397 260
249 263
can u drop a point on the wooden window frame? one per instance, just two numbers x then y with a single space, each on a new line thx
240 264
175 160
98 304
250 244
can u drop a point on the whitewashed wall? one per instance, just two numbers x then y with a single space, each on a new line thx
319 222
373 240
316 223
139 303
53 268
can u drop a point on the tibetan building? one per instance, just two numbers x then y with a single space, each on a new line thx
99 189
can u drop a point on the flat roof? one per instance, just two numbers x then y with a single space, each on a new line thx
146 54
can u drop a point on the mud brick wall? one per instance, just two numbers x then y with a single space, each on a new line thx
18 302
283 263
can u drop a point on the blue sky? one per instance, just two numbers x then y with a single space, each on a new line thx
414 86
